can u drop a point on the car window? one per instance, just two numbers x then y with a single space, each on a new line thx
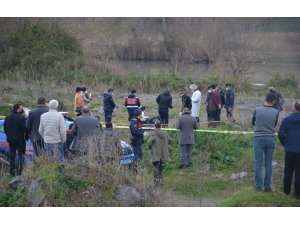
1 128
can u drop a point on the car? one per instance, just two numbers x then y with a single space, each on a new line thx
126 158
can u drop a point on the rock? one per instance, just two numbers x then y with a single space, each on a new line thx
129 196
235 126
35 196
236 176
15 182
218 176
274 163
205 169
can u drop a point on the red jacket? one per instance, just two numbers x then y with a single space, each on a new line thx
215 101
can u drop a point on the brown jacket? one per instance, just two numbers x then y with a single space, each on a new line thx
78 101
158 144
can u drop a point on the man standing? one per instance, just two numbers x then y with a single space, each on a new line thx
132 102
278 99
108 105
16 135
289 137
137 134
158 143
215 104
185 100
196 101
209 93
229 102
264 119
78 101
53 130
186 124
33 123
164 102
84 128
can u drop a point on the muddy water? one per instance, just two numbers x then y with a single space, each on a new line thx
258 73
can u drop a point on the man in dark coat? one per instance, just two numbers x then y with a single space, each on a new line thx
164 102
289 137
16 136
186 101
137 135
108 105
209 92
229 102
279 99
84 129
33 123
215 104
132 102
186 124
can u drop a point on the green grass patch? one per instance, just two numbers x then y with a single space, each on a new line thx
251 198
13 198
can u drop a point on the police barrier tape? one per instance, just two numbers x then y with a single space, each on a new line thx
199 130
174 129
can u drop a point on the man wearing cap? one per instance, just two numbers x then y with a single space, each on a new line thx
137 134
229 102
132 102
186 124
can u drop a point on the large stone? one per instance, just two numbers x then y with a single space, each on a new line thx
129 196
274 163
35 196
15 182
236 176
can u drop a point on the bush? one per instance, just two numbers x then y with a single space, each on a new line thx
284 83
13 198
36 48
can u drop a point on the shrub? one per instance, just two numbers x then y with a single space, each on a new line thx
37 47
284 83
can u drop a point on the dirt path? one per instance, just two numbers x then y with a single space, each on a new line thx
174 199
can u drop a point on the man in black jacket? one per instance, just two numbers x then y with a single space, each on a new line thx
16 135
164 102
33 123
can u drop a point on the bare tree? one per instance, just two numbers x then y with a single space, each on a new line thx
240 37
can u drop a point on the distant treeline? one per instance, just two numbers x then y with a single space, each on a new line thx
67 47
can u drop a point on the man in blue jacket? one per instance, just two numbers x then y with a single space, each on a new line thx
289 136
108 105
137 135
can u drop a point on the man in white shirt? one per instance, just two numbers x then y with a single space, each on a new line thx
196 102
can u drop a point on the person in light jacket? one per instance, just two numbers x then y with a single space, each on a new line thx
53 130
196 102
186 124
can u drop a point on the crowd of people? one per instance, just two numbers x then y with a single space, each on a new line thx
46 129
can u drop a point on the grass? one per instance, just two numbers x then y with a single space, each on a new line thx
250 198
